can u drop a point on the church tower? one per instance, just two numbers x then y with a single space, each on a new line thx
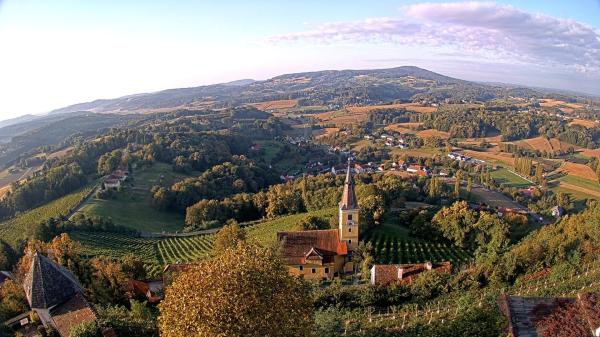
348 213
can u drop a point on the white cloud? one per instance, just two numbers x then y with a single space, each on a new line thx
490 30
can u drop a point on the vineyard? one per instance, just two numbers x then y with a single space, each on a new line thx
156 252
447 308
18 228
393 245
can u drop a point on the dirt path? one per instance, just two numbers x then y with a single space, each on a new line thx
580 189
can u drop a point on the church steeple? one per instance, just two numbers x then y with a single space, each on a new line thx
348 196
349 212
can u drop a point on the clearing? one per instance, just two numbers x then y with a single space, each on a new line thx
433 133
543 144
132 208
408 106
280 104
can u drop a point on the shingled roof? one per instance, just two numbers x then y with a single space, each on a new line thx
297 246
47 284
526 314
348 196
71 313
385 274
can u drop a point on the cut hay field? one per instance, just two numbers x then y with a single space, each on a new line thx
280 104
543 144
554 103
408 106
433 133
326 132
589 153
584 122
341 117
399 128
578 170
498 157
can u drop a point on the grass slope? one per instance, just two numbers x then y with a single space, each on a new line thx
132 207
18 228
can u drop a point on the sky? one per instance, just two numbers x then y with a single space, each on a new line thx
56 53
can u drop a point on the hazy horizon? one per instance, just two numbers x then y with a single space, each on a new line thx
63 53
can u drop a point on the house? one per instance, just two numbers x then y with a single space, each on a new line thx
171 271
527 192
417 169
56 296
557 211
324 254
386 274
112 182
122 175
149 289
535 316
358 168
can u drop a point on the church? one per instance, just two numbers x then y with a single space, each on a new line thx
325 254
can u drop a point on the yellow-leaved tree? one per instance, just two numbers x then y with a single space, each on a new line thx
244 291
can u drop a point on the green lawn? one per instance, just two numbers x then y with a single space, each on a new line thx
504 177
132 207
582 182
265 232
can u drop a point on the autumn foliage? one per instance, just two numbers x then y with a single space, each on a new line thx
245 291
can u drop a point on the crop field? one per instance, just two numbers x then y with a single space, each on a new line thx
341 117
558 103
155 252
17 228
433 133
393 245
579 170
498 157
400 128
408 106
584 122
327 132
281 104
132 207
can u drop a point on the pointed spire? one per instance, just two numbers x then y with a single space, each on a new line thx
348 196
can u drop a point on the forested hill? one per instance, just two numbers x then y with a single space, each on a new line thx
329 87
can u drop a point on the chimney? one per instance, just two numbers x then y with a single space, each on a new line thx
400 272
428 265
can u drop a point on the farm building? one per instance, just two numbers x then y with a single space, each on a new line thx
546 316
386 274
419 170
557 211
324 254
112 183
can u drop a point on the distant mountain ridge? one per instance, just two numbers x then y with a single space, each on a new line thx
326 87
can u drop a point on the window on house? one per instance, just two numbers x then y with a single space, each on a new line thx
301 268
326 270
314 270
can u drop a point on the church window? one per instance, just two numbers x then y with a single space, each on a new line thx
326 270
301 268
314 270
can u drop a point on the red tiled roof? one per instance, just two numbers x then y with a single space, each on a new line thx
324 243
71 313
388 273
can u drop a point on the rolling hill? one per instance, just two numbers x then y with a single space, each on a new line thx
328 87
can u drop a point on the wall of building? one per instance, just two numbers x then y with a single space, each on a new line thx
349 233
319 271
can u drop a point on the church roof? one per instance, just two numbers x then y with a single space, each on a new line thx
348 196
47 284
322 243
